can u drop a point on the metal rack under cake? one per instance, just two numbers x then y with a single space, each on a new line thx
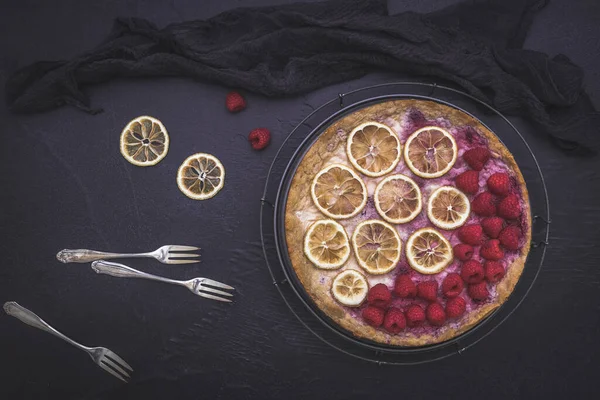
273 203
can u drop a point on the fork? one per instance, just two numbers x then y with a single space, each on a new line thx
199 286
106 359
164 254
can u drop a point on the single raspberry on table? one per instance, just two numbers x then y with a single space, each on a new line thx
463 251
404 287
477 157
478 291
415 316
494 271
492 226
484 204
471 234
509 207
259 138
379 296
394 320
427 290
235 102
472 272
452 285
499 183
436 314
510 237
373 316
455 307
491 250
468 182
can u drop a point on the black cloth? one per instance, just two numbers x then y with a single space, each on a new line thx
284 50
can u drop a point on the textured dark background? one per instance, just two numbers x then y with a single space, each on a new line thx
65 184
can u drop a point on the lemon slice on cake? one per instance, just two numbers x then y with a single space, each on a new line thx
373 149
339 192
201 176
428 251
350 288
448 207
430 152
144 141
398 199
377 246
326 244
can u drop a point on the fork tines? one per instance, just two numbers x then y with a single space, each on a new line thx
204 289
115 365
173 254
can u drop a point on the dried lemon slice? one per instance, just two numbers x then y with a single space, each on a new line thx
428 251
398 199
326 244
373 148
377 246
144 141
430 152
201 176
339 192
448 207
350 288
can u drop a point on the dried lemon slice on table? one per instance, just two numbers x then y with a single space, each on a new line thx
326 244
398 199
377 246
448 207
144 141
428 251
350 288
339 192
373 148
201 176
430 152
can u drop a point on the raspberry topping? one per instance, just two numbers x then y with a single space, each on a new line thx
509 237
492 226
509 207
259 138
452 285
477 157
478 291
491 250
494 271
499 184
471 234
436 314
468 182
235 102
463 251
405 287
379 296
484 204
373 316
415 316
455 307
394 320
427 290
472 272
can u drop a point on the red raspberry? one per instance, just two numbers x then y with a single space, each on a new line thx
373 316
499 184
472 272
394 320
415 316
509 237
468 182
259 138
455 307
452 285
427 290
478 291
235 102
492 226
484 204
463 251
405 287
477 157
436 314
471 234
509 207
494 271
491 250
379 296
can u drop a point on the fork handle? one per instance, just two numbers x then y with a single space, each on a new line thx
123 271
85 256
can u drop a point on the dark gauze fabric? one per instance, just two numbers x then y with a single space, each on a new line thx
286 50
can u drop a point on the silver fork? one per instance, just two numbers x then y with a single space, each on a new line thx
165 254
199 286
106 359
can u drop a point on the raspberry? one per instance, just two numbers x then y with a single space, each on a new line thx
471 234
494 271
484 204
478 291
455 307
436 314
509 237
463 251
499 184
394 320
235 102
468 182
427 290
491 250
415 316
259 138
405 287
509 207
452 285
379 296
472 272
477 157
373 316
492 226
